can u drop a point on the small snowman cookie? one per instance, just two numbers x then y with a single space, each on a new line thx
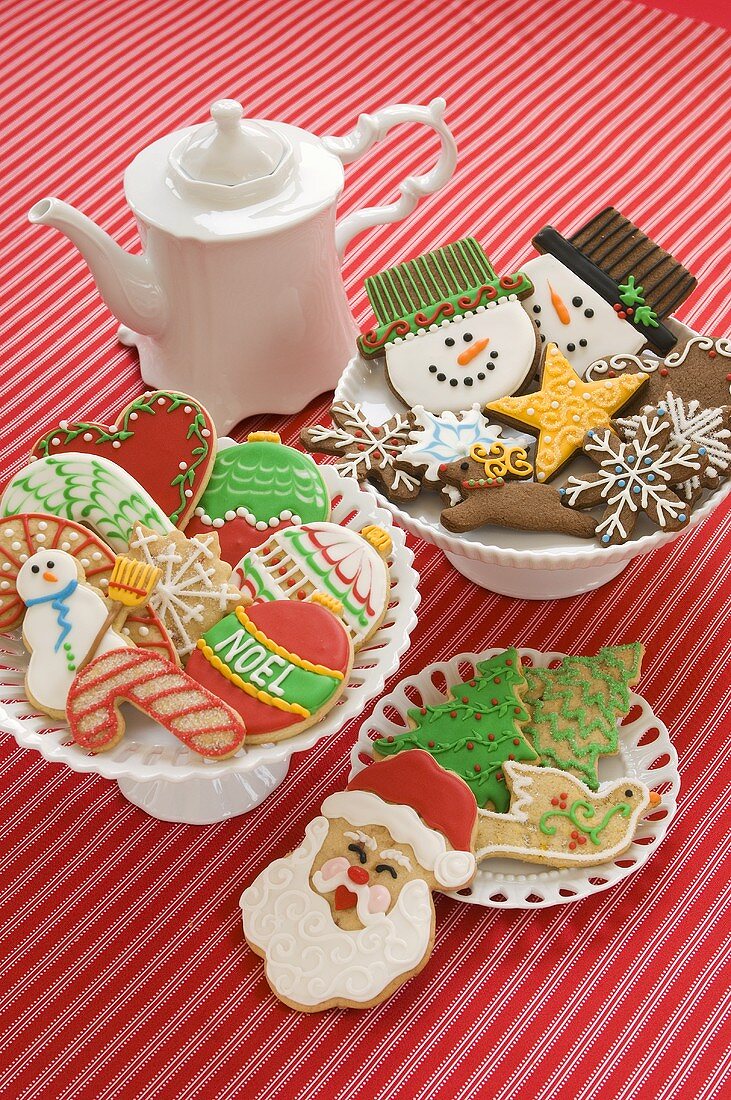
62 622
453 333
605 291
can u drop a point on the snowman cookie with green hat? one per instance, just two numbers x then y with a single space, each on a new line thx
453 333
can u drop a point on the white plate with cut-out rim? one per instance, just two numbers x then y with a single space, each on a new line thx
645 754
525 564
169 781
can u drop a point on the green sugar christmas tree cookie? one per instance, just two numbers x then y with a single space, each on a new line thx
475 731
576 707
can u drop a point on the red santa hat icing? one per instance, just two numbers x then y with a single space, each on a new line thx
420 804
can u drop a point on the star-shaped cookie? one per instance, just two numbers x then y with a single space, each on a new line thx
564 409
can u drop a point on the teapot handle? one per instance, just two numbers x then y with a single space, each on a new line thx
372 128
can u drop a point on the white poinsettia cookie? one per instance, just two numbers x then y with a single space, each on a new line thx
453 332
438 439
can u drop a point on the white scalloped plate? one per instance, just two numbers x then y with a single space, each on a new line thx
161 775
550 565
646 754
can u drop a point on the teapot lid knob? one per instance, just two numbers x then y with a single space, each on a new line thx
230 150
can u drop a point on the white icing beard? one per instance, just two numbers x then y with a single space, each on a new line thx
424 370
309 959
604 333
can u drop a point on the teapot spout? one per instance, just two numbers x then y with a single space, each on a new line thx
126 282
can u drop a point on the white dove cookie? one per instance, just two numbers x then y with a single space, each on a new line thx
63 618
453 333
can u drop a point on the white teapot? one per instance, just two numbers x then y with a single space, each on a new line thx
238 297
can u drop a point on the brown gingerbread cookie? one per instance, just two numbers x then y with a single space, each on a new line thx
700 371
486 481
367 451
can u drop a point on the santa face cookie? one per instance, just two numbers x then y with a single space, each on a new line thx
453 333
348 565
257 487
281 665
63 619
347 917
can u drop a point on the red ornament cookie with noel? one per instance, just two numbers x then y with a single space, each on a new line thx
166 441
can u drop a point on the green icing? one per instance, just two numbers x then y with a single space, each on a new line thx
183 480
87 490
267 670
576 707
489 706
646 316
572 815
266 478
630 294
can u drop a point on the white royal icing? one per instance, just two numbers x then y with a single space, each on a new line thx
59 630
309 959
451 868
424 370
604 333
445 438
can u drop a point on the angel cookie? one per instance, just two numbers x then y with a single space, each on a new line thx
347 917
564 409
452 332
635 477
607 289
555 820
489 487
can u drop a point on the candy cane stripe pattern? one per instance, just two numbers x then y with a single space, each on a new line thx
197 717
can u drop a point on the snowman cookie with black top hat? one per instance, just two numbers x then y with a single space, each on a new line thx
452 332
604 291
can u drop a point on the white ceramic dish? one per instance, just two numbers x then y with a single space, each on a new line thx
526 564
161 776
646 754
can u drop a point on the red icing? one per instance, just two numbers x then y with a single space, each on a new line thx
415 779
130 670
58 531
236 536
152 454
345 898
358 875
306 629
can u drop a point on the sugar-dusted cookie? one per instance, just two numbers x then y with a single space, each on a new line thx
699 371
576 706
635 477
365 450
165 441
489 488
564 409
452 332
86 489
64 618
707 430
347 917
21 536
160 690
555 820
349 565
282 665
436 440
257 487
475 730
193 590
605 290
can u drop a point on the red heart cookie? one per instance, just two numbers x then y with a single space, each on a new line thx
165 440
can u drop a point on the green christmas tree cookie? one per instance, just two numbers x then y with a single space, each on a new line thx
476 731
576 707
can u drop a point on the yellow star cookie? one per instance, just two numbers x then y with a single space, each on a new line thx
564 409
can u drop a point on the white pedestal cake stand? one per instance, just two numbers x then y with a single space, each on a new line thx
645 754
166 780
526 564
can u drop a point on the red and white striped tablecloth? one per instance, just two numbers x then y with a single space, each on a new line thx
124 972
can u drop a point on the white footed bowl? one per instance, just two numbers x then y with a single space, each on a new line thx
168 781
527 564
645 754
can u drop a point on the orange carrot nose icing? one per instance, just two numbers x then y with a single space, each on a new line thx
560 306
50 577
469 353
655 799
